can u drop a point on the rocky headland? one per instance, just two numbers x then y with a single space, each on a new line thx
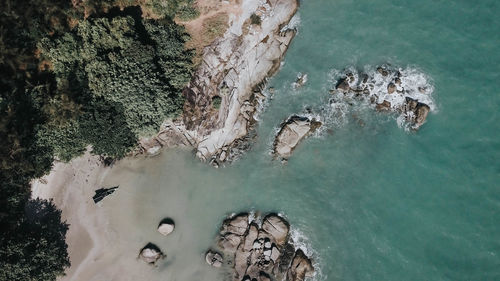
225 91
260 249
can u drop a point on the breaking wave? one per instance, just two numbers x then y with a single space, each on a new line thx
369 88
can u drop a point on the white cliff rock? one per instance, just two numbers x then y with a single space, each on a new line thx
231 69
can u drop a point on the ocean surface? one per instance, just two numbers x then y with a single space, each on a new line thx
367 198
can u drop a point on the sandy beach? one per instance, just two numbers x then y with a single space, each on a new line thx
71 187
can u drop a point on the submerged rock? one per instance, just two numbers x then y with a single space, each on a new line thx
300 81
151 254
166 226
262 253
292 131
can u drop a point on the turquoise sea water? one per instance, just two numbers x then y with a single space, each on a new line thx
371 202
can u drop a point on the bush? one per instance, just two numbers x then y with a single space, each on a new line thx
35 249
127 74
255 19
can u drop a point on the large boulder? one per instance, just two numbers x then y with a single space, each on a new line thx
230 242
292 131
213 258
416 112
277 227
251 236
301 267
166 226
237 224
151 254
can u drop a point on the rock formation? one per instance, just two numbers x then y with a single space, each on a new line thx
388 89
213 258
292 131
300 81
263 252
232 71
166 226
151 254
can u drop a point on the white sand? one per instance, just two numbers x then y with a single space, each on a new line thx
104 239
71 186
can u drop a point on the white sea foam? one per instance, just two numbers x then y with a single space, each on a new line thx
301 241
413 84
294 23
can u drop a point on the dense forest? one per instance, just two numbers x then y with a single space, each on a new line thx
77 74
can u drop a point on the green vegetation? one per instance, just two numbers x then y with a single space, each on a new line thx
35 250
184 9
216 102
255 19
127 75
71 78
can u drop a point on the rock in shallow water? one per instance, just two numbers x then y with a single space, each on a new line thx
166 226
301 267
261 253
151 254
404 91
213 258
292 131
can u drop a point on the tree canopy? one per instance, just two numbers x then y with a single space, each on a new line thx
127 75
70 78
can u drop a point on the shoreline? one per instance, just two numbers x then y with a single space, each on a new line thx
72 185
233 70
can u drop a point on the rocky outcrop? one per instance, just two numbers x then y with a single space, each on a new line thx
402 91
301 267
233 68
416 112
151 254
292 131
300 81
166 226
213 258
232 73
264 252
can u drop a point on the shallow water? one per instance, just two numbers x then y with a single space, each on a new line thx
372 200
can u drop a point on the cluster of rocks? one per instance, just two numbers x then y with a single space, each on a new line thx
151 253
293 131
260 252
386 89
